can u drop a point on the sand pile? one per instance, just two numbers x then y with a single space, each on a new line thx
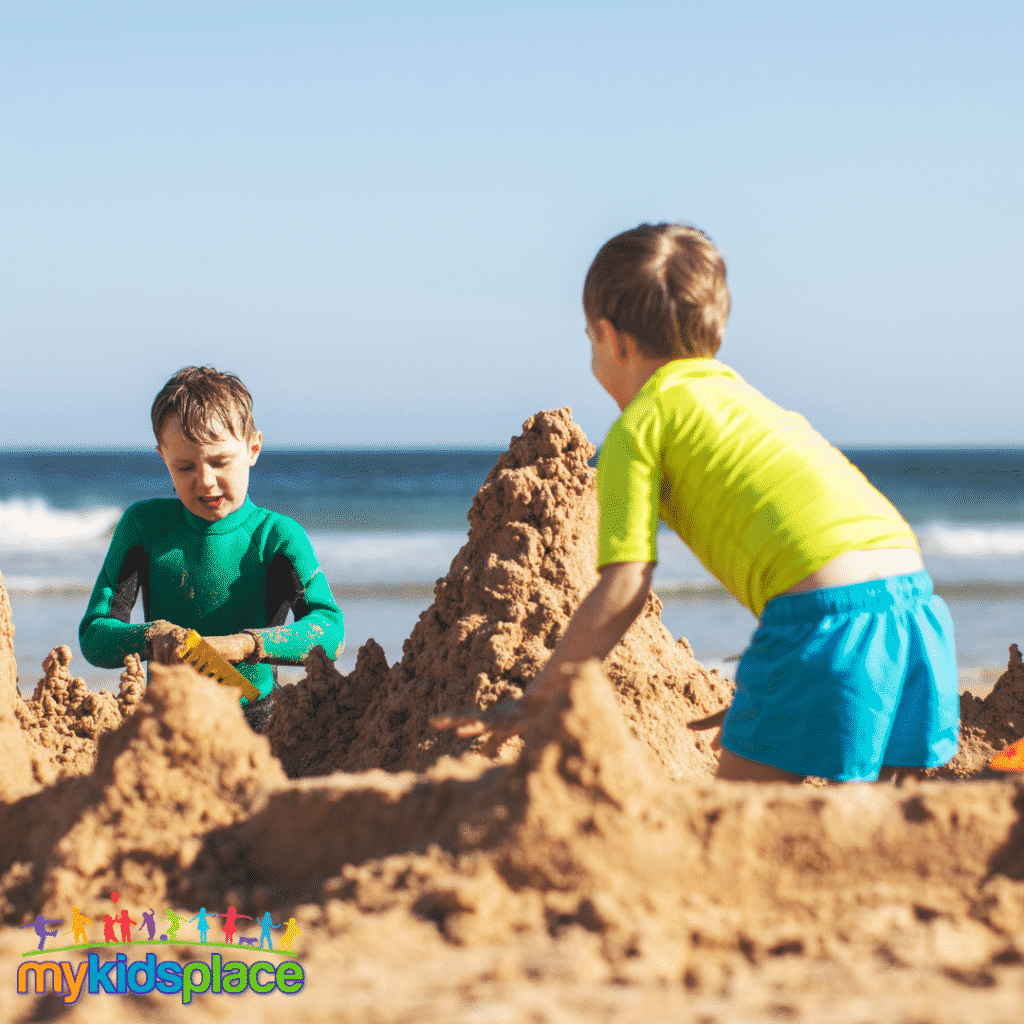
583 834
990 725
64 718
585 874
496 617
578 861
59 726
184 764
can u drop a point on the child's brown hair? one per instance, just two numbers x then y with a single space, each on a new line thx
663 284
206 402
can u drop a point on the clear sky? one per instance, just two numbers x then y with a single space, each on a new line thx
380 214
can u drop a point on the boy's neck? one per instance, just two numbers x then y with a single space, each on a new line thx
636 373
618 364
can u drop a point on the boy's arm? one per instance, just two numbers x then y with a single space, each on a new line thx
295 579
106 634
318 620
599 624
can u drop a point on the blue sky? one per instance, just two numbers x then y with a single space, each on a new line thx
380 215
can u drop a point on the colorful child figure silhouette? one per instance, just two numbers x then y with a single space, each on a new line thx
39 927
149 923
108 928
289 933
265 925
202 925
175 923
125 922
78 923
229 923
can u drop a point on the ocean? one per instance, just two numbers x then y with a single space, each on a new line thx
386 525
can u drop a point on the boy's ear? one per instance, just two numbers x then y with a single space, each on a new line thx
606 333
255 446
609 337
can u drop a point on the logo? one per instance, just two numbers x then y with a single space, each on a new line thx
170 977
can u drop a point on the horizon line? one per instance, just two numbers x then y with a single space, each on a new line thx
930 446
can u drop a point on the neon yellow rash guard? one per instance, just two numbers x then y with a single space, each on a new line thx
759 496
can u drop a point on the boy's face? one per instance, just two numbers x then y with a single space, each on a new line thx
211 477
606 361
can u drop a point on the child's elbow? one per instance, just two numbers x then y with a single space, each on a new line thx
95 651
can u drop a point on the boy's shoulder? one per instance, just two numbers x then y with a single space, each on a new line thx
678 389
688 379
277 524
153 512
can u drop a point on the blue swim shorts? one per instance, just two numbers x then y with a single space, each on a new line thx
840 681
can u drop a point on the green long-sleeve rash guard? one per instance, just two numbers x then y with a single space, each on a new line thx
243 572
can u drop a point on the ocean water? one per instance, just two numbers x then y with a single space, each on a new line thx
386 525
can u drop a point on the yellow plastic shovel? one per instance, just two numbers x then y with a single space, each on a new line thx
203 658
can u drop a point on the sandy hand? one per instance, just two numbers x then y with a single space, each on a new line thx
163 639
509 718
711 722
234 647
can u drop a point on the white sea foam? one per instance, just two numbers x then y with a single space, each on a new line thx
30 524
971 541
43 585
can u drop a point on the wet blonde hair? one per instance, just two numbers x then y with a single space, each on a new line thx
206 402
663 284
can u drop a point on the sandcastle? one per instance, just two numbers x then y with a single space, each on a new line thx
591 870
511 590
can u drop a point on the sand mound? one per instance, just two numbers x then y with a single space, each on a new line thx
580 854
990 725
64 718
496 617
583 834
186 763
594 871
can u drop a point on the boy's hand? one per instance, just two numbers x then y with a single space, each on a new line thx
711 722
235 647
500 721
508 718
163 639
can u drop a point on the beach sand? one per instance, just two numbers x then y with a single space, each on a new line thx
592 870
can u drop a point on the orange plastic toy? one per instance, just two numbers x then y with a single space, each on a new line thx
1009 760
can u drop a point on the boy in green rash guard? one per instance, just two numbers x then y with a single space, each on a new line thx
210 559
851 673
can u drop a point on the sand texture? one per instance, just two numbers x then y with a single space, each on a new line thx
592 871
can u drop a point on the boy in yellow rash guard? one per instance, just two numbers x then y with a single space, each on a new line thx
852 669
